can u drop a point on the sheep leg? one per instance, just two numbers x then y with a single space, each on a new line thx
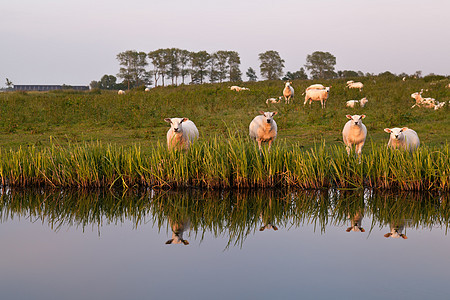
259 145
270 144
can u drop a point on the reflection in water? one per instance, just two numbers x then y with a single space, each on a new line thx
235 215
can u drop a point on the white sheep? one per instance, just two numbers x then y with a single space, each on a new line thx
288 92
317 95
396 231
147 89
181 134
353 103
178 228
238 88
316 86
354 133
356 222
121 92
425 102
274 100
263 128
355 85
403 138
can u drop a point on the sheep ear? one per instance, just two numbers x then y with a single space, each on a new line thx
387 130
184 120
348 229
168 120
275 227
387 235
262 228
185 242
261 112
348 116
404 236
362 117
169 242
362 229
403 129
274 113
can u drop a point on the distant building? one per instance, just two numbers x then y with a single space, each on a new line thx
43 88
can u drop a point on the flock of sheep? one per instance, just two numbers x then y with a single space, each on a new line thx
263 128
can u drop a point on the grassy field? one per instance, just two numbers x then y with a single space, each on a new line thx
69 117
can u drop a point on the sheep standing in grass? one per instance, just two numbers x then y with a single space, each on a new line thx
355 85
181 134
403 138
316 86
353 103
317 95
354 133
288 92
121 92
263 128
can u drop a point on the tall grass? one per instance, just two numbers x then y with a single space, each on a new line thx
234 162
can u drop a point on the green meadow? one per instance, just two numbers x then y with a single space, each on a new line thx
99 138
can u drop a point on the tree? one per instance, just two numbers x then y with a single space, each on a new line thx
347 74
173 61
321 65
184 58
9 83
233 62
199 64
300 74
221 58
251 74
271 65
161 61
213 73
133 70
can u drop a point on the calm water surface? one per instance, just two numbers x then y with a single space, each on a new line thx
224 245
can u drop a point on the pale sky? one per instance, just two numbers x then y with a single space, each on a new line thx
75 42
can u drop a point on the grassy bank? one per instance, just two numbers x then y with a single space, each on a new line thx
70 117
234 162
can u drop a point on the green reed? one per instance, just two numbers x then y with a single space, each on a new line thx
231 162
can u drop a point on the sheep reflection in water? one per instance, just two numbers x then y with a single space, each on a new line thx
356 222
397 228
178 228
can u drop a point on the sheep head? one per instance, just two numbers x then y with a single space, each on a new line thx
176 123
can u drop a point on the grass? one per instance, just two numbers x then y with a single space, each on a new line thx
223 164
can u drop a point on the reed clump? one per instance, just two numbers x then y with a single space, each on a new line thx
223 163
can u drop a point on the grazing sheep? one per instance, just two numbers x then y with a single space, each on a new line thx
317 95
353 103
288 92
356 223
263 128
403 138
181 134
354 133
178 228
274 100
121 92
355 85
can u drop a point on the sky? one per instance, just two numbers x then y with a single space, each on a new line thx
74 42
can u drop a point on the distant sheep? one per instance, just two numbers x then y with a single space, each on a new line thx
355 85
147 89
181 134
426 102
317 95
121 92
288 92
263 128
403 138
274 100
238 88
317 86
354 133
353 103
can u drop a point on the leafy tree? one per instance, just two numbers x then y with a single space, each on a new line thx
173 61
321 65
161 60
221 58
251 74
199 64
133 67
300 74
233 62
9 83
213 73
271 65
184 57
347 74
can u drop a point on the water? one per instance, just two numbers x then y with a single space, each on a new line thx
109 245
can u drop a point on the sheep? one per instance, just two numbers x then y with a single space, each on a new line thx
354 133
425 102
396 230
355 85
238 88
288 92
274 100
317 86
181 134
403 138
317 95
178 228
121 92
263 128
147 90
353 103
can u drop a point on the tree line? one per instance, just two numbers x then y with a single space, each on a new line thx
178 66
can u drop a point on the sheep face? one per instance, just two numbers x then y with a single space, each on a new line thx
288 83
396 133
176 123
356 119
268 116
